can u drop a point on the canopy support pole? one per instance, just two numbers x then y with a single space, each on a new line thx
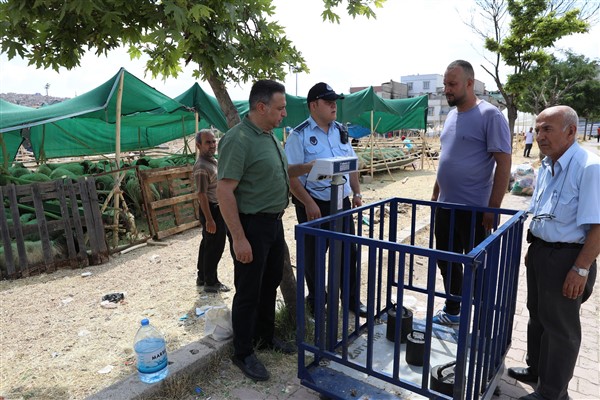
382 155
196 125
422 137
372 143
424 151
42 152
4 152
116 188
186 145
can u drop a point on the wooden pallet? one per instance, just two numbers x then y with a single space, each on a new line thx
177 210
29 249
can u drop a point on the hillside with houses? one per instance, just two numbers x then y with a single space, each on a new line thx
31 100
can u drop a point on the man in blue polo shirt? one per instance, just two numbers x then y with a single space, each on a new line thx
474 170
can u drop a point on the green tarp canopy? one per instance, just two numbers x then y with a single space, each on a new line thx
209 111
10 140
388 114
85 125
356 108
208 108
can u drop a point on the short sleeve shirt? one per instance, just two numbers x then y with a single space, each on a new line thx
529 137
256 160
571 196
466 168
205 177
310 142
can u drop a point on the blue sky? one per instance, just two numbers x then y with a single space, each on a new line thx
416 37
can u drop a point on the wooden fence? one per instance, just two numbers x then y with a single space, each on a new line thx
50 225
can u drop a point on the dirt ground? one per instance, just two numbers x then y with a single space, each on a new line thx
58 342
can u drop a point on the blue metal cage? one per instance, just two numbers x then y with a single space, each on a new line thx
343 356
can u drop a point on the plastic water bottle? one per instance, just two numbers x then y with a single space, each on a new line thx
151 352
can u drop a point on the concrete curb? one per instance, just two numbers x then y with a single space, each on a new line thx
185 362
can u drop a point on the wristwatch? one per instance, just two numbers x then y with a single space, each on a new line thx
358 195
580 271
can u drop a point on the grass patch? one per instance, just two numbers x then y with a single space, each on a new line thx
192 387
220 379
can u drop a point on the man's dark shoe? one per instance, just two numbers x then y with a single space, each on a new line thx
532 396
199 282
212 288
279 346
252 367
219 287
224 288
362 309
523 374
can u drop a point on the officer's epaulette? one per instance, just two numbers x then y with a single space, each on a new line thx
301 127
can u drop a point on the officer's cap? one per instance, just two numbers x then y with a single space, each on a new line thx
322 91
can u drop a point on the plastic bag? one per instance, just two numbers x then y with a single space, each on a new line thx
524 180
218 323
524 170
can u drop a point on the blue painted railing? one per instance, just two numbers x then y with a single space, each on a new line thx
396 258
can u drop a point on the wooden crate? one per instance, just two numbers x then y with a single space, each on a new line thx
74 240
177 210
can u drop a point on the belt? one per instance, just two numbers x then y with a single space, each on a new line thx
277 216
555 245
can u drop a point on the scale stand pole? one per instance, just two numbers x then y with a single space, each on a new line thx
335 261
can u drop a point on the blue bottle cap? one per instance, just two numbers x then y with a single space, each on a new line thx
145 322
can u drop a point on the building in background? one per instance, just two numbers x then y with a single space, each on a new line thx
387 90
431 85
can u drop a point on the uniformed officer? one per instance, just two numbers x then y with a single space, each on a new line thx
320 136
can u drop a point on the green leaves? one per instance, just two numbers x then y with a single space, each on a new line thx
534 28
227 41
176 14
560 82
199 12
353 8
232 38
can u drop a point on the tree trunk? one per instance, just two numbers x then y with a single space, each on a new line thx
220 91
288 287
511 110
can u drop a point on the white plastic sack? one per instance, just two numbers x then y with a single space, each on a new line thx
524 180
524 170
218 323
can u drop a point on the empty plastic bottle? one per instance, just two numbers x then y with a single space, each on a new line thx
151 353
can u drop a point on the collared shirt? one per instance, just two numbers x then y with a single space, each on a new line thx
205 177
256 160
564 205
312 143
